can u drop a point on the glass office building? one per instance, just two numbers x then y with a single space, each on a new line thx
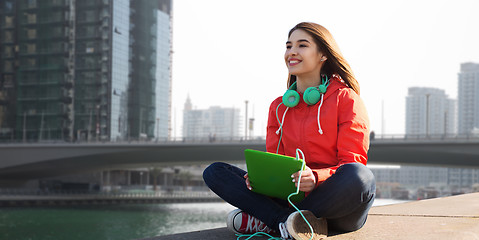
468 98
86 70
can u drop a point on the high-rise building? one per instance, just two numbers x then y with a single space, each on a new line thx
81 70
212 123
429 112
468 98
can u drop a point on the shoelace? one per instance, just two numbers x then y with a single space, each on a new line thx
255 224
284 231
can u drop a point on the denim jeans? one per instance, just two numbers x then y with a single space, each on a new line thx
344 199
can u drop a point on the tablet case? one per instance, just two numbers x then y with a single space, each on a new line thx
270 174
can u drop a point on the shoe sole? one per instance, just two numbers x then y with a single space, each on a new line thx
230 220
299 230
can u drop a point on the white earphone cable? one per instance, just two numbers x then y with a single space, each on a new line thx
319 111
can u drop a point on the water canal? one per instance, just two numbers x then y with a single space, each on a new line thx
115 222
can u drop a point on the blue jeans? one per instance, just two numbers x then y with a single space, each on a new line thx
344 199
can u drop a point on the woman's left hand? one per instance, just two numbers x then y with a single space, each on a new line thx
308 181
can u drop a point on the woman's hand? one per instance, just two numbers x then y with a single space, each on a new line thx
248 185
308 181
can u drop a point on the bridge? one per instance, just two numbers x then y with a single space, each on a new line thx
36 160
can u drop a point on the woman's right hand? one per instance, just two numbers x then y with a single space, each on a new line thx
248 185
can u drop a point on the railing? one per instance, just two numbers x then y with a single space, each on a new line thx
93 141
102 198
24 194
472 137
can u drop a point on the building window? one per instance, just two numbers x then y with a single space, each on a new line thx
31 62
8 21
32 3
31 18
8 36
8 66
31 33
8 51
31 48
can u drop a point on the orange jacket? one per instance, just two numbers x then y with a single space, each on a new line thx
345 125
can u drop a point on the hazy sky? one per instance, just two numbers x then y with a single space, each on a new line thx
226 52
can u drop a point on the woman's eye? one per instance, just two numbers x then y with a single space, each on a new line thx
288 47
302 45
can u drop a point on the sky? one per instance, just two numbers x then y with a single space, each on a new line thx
227 52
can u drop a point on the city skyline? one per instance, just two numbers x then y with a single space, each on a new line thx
390 46
212 123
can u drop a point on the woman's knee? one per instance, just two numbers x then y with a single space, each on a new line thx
212 170
358 171
360 176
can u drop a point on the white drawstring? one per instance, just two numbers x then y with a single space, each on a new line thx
320 130
319 111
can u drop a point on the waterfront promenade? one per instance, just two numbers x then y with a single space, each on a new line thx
455 217
32 200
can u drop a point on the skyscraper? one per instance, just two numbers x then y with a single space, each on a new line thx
429 112
468 98
84 70
212 123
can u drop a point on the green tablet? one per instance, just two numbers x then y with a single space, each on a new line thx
270 174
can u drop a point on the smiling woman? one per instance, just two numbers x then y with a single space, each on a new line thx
339 188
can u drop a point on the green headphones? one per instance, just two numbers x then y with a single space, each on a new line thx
311 96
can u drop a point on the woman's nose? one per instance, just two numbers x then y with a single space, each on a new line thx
292 52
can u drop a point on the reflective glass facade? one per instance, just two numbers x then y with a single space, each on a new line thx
163 76
84 70
119 70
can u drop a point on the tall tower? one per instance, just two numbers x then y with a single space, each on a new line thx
188 105
468 98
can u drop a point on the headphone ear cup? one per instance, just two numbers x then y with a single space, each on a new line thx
290 98
311 96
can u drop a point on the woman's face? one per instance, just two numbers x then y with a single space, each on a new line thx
302 56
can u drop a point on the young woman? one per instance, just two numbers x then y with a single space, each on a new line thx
323 115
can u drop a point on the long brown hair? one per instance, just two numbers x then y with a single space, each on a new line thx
335 63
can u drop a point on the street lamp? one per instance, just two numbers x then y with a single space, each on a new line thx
246 121
157 128
427 115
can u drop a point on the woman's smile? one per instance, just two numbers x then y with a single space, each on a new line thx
293 61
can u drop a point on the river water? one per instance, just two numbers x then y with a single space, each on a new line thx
115 222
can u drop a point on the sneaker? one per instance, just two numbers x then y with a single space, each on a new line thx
298 229
243 223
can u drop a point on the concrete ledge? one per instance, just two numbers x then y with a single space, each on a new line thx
455 217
